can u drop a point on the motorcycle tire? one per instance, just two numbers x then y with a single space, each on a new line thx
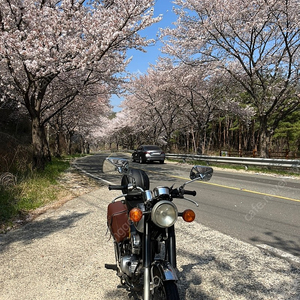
167 290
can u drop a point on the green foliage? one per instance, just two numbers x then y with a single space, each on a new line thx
289 130
34 190
235 126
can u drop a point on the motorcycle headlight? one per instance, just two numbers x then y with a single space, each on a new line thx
164 214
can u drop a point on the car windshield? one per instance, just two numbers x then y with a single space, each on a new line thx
152 148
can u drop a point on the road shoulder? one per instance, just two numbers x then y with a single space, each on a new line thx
61 255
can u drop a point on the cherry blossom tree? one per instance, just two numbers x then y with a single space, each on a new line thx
46 42
81 118
118 130
205 95
257 42
177 98
154 105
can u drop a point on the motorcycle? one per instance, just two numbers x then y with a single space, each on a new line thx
142 227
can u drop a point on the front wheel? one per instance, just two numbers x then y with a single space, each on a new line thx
165 290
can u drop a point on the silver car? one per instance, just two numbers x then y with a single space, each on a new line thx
147 153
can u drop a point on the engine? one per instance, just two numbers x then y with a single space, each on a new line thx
129 263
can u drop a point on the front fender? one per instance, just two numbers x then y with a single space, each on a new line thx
164 270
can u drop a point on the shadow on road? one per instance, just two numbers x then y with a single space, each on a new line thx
275 241
207 272
38 229
207 276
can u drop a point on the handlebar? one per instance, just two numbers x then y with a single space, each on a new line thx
117 187
180 192
176 193
186 192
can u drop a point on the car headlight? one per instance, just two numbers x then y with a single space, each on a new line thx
164 214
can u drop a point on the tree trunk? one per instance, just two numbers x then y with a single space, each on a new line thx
264 138
41 153
194 140
57 142
202 147
220 134
240 138
187 143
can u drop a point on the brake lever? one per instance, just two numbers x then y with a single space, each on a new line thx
191 201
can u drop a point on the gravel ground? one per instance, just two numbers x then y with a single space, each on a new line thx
62 252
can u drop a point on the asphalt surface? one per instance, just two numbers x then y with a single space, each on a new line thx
61 255
256 208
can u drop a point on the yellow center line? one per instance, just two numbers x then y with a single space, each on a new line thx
232 188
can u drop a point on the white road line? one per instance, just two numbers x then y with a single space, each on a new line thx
91 175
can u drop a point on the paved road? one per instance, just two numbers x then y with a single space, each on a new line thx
61 255
260 209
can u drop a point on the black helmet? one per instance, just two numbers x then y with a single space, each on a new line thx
138 178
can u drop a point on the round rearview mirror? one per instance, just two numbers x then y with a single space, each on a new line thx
201 173
115 165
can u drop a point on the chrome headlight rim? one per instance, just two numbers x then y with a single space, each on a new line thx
164 214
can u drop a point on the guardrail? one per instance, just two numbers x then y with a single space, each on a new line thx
245 161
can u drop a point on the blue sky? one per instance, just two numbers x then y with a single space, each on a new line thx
140 60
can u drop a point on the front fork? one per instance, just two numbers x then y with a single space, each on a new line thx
167 267
170 255
147 260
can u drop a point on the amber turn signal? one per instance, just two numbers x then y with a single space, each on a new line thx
135 214
188 215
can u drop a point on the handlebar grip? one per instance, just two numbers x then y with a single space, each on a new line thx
117 187
193 193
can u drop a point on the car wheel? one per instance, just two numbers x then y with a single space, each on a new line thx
161 161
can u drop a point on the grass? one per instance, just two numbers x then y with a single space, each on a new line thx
32 191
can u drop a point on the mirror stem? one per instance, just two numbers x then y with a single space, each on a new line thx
188 182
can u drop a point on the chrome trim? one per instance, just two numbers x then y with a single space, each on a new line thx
161 191
167 271
148 195
146 283
136 243
140 224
